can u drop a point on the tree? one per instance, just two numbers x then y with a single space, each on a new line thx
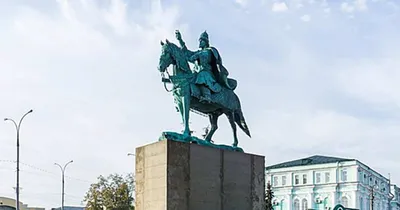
269 197
114 192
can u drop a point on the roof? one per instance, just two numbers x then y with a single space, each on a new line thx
313 160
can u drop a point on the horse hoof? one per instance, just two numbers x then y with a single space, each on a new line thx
186 136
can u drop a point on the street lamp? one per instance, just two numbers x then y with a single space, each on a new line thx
131 154
17 127
127 191
62 173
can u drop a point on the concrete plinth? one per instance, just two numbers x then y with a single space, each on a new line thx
173 175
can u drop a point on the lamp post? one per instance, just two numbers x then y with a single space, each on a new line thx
63 173
17 127
134 155
129 204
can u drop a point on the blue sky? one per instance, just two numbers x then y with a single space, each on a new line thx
315 77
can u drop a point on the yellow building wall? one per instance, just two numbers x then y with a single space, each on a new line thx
12 203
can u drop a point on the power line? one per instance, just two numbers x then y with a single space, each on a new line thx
44 171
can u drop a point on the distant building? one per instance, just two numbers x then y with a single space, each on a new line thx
395 203
70 208
10 204
320 182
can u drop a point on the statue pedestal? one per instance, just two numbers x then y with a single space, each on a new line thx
173 175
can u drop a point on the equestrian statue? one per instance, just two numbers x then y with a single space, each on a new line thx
205 89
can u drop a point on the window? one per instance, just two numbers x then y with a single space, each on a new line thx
275 181
361 203
296 204
304 178
327 177
296 179
344 175
318 177
345 201
283 180
304 204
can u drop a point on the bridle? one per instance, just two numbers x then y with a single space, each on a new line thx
165 80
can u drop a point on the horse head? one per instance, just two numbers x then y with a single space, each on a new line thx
167 56
172 54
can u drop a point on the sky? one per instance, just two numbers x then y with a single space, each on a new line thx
315 77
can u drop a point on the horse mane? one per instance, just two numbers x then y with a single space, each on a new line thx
180 58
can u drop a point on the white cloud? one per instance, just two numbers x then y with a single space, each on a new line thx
361 5
346 7
306 18
116 17
324 3
242 3
82 68
331 133
279 7
375 82
311 1
393 5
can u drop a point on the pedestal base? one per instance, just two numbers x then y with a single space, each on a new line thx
172 175
173 136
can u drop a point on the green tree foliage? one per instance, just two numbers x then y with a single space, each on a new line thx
269 196
114 192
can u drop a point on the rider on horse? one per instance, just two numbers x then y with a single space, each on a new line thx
211 73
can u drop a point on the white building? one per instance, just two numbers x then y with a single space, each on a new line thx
321 182
395 203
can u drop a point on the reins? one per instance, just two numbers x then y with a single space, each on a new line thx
164 79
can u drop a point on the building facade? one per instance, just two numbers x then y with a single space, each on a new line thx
321 182
10 204
395 202
70 208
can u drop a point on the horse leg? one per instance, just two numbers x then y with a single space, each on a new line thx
214 125
231 118
180 109
186 112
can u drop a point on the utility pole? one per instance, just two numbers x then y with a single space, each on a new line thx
17 127
62 184
134 180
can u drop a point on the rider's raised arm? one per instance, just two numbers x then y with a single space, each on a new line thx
186 51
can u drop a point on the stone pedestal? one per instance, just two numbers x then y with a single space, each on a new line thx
173 175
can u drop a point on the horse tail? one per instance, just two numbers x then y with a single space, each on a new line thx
240 121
